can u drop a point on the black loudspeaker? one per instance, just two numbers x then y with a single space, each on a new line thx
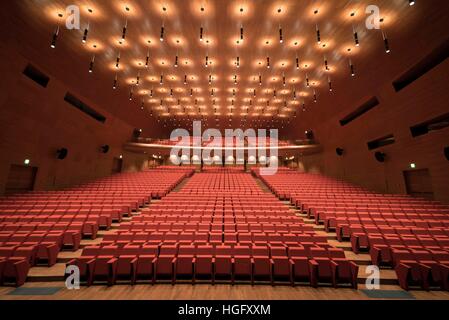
105 148
380 156
446 153
62 153
339 151
136 133
310 135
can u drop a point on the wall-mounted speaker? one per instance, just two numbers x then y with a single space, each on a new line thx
380 156
340 151
136 133
446 153
309 135
105 148
62 153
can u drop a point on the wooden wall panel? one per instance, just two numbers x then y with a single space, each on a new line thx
36 121
425 99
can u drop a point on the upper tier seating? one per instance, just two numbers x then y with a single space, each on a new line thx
220 227
408 234
35 226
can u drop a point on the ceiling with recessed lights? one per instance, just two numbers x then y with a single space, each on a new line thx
252 63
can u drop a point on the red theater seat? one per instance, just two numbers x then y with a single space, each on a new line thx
223 262
243 263
205 261
14 270
300 260
263 264
282 265
185 262
164 266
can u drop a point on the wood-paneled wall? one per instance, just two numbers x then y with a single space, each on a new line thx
36 121
423 100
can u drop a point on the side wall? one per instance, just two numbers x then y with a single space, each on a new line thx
36 121
426 98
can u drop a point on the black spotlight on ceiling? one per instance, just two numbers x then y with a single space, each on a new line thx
105 148
340 151
62 153
446 153
54 38
380 156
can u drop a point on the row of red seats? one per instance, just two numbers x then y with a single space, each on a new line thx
71 233
13 270
281 227
358 234
422 268
43 246
90 224
305 238
205 262
187 218
384 220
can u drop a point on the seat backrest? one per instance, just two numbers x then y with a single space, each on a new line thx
6 251
223 250
109 251
91 250
242 251
336 253
278 251
149 250
422 255
130 250
187 250
318 252
297 252
205 250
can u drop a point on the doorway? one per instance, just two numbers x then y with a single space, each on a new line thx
419 183
117 165
20 179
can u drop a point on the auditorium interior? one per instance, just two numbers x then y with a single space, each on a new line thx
224 149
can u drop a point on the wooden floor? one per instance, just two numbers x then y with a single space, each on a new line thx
53 278
205 292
